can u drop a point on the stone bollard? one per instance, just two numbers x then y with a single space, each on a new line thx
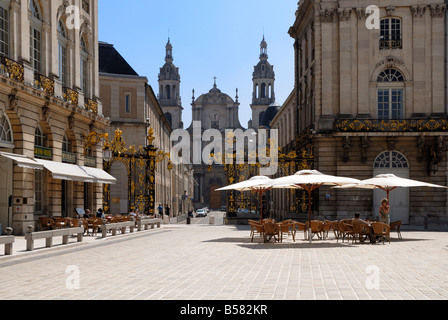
29 241
9 247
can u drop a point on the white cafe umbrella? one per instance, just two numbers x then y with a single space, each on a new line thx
310 180
389 182
257 184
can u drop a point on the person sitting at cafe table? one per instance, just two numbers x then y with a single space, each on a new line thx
87 214
100 213
358 219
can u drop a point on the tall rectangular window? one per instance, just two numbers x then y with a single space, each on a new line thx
4 32
390 34
63 64
35 49
84 77
390 104
127 103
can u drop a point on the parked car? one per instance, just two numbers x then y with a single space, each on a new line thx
201 213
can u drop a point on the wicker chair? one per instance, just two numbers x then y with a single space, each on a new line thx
345 230
361 230
298 226
46 223
381 231
328 226
287 227
396 226
255 227
270 230
316 228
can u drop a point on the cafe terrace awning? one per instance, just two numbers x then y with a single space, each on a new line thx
63 171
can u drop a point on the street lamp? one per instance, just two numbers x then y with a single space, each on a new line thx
107 154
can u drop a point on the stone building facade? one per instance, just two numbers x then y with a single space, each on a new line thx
213 110
372 101
49 104
133 108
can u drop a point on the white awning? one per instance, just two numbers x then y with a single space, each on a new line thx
23 161
63 171
101 176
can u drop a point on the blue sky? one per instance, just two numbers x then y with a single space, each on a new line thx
210 38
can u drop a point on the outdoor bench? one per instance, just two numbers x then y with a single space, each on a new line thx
147 223
31 236
8 241
115 226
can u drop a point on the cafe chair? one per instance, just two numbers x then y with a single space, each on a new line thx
270 230
396 226
381 231
255 227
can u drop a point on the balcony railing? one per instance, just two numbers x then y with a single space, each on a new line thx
421 125
43 83
91 105
390 44
70 96
12 69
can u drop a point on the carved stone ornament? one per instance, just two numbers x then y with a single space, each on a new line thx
344 14
361 13
327 15
71 121
437 10
364 148
391 142
13 100
390 62
390 10
418 10
46 112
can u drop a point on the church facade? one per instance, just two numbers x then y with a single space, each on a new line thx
214 110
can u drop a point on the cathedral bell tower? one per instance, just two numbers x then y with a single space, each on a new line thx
263 93
169 89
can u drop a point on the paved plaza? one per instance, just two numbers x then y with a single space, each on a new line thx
218 262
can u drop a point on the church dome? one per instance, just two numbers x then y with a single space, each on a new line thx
269 114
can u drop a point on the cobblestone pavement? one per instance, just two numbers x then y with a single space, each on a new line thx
204 262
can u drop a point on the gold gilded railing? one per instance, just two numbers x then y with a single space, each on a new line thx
91 105
12 69
420 125
71 96
43 83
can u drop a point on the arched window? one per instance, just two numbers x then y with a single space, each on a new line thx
84 64
62 53
263 90
35 36
390 75
4 31
39 138
66 146
391 160
5 130
390 95
168 92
